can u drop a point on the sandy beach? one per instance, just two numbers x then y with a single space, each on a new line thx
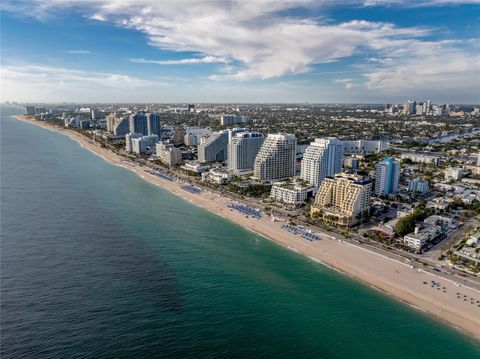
450 302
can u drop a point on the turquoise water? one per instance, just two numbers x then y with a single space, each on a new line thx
97 263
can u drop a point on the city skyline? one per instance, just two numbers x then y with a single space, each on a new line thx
295 52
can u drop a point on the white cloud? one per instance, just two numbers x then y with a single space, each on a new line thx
195 60
347 83
78 52
435 67
45 83
249 34
255 40
418 3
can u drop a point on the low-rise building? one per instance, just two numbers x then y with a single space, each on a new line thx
418 185
195 167
421 237
442 221
365 146
218 175
291 193
421 157
352 162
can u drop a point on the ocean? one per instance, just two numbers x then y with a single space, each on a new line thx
97 263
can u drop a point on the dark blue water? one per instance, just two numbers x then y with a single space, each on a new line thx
97 263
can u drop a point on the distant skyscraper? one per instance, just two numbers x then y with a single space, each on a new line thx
242 150
153 124
323 158
387 175
409 107
138 123
276 158
30 110
427 106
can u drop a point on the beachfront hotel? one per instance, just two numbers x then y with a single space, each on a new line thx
342 200
323 158
168 154
242 150
138 123
213 147
153 124
276 158
118 125
291 193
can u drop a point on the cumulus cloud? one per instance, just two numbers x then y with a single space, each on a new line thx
254 40
253 35
429 67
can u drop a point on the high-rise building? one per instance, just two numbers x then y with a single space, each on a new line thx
194 134
242 150
419 110
138 123
409 107
168 154
144 144
342 200
213 147
74 121
178 136
110 122
323 158
121 126
118 125
30 110
153 124
128 140
387 174
276 158
427 106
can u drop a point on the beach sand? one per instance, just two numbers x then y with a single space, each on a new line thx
390 276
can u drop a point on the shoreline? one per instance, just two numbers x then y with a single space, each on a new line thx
386 275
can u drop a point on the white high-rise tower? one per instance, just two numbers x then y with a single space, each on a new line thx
323 158
276 158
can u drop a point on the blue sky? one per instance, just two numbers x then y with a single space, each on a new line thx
372 51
